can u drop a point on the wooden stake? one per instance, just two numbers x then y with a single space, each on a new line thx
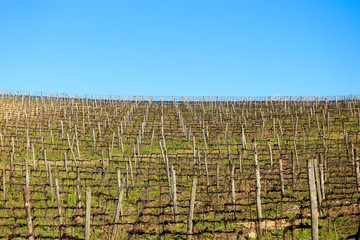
281 176
174 194
313 200
233 198
258 194
27 207
87 214
191 210
119 210
4 184
58 202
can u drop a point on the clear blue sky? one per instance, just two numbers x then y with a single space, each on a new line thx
181 47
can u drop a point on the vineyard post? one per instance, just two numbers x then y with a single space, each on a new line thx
99 128
274 126
4 184
27 206
258 195
62 129
94 139
317 181
51 184
217 181
174 194
313 200
240 161
199 159
194 149
357 170
58 200
109 156
102 160
163 152
152 139
127 180
243 139
191 210
271 157
119 210
46 163
131 172
281 176
118 173
33 153
66 166
78 189
87 214
72 150
77 143
296 155
322 179
2 143
206 169
233 197
27 177
11 164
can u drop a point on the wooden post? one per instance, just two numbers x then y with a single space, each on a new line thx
163 152
317 182
199 160
45 162
12 145
313 200
174 194
58 203
233 197
119 210
206 168
62 129
194 149
66 166
2 143
281 175
152 139
322 180
271 157
258 194
87 214
27 207
33 153
357 170
297 157
274 126
77 143
94 139
119 179
131 172
102 160
71 150
27 177
78 189
217 181
127 180
4 184
11 164
99 128
243 139
191 210
51 184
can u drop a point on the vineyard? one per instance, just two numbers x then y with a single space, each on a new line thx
84 167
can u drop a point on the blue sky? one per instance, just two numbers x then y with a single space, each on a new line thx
181 47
